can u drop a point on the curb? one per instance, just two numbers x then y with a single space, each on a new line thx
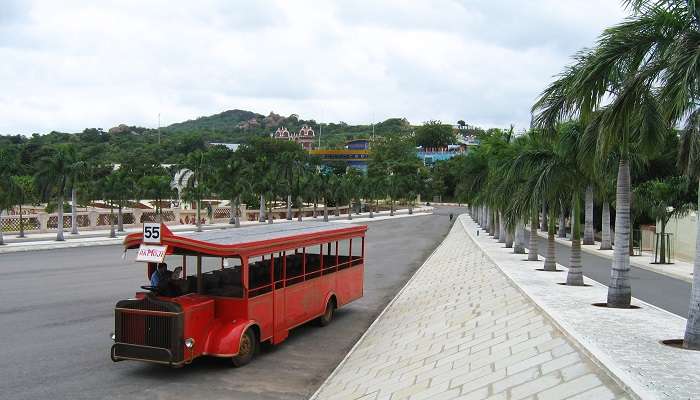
594 252
622 378
24 246
376 320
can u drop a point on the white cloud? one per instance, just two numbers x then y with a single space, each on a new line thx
75 64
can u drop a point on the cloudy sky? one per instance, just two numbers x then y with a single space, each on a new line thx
67 65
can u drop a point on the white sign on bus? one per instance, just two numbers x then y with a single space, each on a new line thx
148 253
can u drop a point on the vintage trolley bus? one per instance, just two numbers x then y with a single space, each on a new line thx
246 286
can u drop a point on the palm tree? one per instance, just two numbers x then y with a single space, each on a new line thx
53 178
632 119
78 173
588 218
20 192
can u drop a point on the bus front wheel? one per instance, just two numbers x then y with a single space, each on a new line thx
327 316
246 350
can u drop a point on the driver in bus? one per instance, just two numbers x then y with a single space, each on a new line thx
161 275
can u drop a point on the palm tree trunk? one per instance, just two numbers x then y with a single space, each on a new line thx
232 212
619 291
502 229
59 230
261 217
120 219
691 338
199 216
270 216
289 207
561 233
550 260
2 238
391 213
238 212
519 243
371 211
532 251
301 209
350 211
544 222
337 210
496 226
575 275
112 232
74 210
605 240
21 223
489 222
509 238
325 210
315 207
588 228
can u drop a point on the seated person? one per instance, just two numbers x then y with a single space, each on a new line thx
164 281
161 274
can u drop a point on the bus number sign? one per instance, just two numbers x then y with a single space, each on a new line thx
151 233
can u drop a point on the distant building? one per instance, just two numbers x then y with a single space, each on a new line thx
354 155
430 155
305 136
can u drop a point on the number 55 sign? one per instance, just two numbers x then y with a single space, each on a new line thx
151 233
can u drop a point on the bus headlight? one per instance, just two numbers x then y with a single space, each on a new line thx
189 343
113 336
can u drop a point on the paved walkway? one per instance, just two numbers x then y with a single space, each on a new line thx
46 241
626 342
461 329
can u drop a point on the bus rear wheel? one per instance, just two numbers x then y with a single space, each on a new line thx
246 350
327 316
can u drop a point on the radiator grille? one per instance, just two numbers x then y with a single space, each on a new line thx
152 323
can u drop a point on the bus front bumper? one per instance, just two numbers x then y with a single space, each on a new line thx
159 355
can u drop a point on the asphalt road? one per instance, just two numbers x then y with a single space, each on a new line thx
660 290
56 314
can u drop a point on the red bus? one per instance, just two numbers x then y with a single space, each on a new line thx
247 286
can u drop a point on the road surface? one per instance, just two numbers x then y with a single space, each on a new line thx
56 315
660 290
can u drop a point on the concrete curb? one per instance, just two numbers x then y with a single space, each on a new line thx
90 240
622 378
609 256
376 320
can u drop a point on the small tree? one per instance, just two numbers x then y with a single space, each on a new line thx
663 200
435 134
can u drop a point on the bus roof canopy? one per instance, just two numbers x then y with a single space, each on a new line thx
230 242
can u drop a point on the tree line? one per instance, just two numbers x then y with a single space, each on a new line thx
261 173
620 127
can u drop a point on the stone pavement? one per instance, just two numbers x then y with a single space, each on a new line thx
46 241
625 341
682 270
460 329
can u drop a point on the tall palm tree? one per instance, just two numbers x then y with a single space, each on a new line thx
631 119
53 178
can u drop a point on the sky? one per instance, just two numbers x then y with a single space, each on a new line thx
69 65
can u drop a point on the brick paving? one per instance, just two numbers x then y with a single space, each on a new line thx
460 329
626 342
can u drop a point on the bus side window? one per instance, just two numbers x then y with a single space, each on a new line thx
279 269
357 249
343 254
313 261
295 267
259 275
329 258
